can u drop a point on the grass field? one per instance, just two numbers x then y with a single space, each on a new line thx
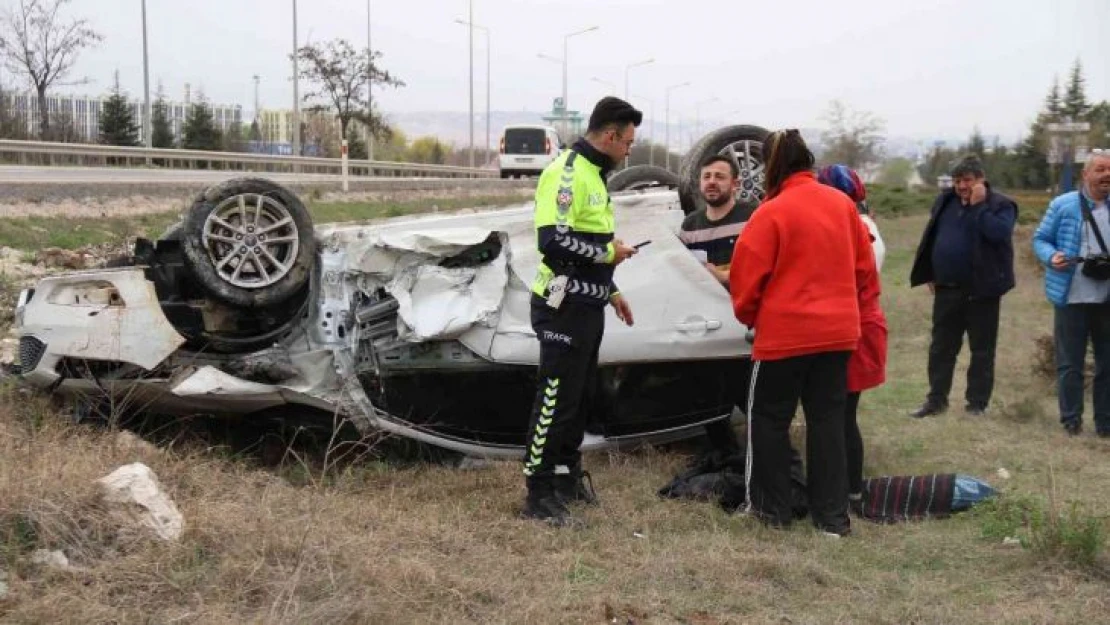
420 543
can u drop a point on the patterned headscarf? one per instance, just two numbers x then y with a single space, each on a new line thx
845 179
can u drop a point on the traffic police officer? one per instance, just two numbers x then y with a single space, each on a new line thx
574 232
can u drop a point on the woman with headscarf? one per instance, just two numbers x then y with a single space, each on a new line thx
798 270
867 366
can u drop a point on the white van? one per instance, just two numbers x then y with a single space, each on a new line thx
526 150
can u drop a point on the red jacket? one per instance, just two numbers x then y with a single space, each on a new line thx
867 367
798 270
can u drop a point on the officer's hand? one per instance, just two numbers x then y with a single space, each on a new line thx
1059 261
623 310
622 251
932 287
978 193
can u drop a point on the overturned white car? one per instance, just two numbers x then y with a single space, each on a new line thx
417 326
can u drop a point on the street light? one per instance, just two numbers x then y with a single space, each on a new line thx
370 91
667 119
146 87
697 113
470 31
630 66
566 41
612 86
483 28
296 92
651 113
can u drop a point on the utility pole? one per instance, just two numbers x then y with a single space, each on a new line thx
488 83
566 102
627 95
296 90
147 141
667 120
470 31
369 89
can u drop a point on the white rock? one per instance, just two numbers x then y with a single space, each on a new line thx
54 559
137 491
3 591
1010 541
1003 474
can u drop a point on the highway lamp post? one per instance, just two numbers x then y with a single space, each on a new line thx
470 31
146 89
651 114
611 85
296 93
566 43
369 92
488 88
630 66
667 119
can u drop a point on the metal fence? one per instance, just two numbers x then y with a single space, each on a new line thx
86 155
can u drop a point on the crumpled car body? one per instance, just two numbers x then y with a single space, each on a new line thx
416 326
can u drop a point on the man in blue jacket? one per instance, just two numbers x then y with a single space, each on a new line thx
966 256
1065 242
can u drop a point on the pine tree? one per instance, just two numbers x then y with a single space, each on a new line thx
1053 105
976 144
200 132
356 147
117 120
161 134
1075 98
233 140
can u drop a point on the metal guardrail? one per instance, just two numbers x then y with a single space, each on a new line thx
88 155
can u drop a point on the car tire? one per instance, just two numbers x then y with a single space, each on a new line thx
741 142
172 233
249 242
640 177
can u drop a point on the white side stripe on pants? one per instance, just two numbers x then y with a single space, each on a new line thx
749 453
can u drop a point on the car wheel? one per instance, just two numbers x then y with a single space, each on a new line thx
249 242
640 177
744 145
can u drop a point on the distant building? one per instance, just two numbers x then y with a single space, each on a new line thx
276 129
84 113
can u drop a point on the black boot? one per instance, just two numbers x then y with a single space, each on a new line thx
543 503
576 487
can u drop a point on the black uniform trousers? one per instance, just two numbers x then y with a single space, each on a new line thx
570 338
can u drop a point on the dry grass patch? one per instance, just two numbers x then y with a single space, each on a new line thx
381 543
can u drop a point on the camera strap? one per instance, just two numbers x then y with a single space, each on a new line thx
1086 207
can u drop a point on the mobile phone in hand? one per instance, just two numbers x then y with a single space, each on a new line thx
639 245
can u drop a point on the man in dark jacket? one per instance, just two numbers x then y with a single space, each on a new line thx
966 257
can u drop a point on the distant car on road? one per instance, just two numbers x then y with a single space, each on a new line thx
527 149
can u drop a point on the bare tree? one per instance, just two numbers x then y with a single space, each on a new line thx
853 138
37 42
339 74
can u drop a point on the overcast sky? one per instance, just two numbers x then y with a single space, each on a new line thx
928 68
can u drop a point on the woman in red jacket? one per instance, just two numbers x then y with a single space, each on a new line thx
797 273
867 366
